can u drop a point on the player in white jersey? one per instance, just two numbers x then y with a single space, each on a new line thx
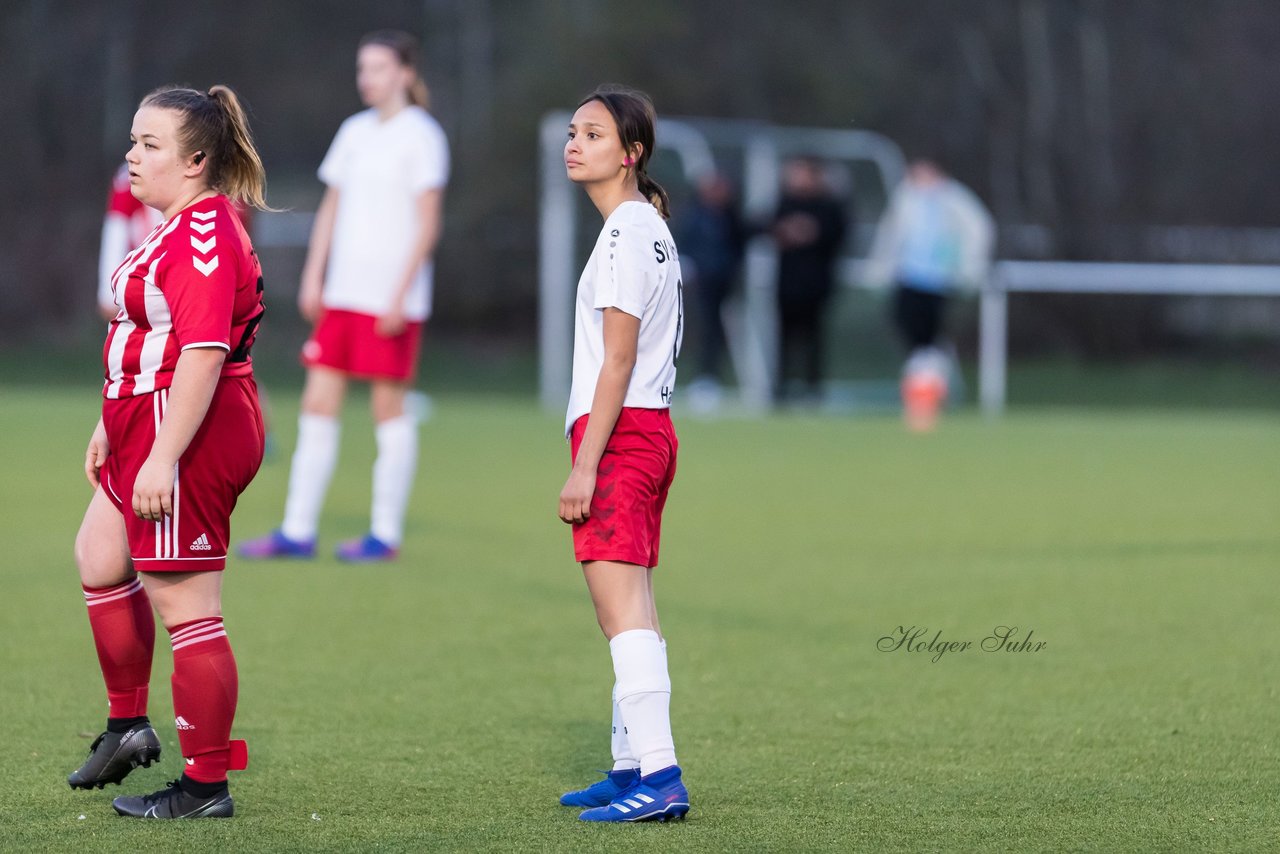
367 286
627 335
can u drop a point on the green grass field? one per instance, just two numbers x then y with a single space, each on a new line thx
443 703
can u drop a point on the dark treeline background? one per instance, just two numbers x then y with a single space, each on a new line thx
1089 121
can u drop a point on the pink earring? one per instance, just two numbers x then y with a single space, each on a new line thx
628 162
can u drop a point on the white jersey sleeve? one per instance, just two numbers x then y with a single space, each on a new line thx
429 167
627 273
334 166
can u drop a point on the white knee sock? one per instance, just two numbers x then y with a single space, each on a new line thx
309 474
644 697
623 757
393 474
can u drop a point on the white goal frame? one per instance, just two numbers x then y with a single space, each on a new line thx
1094 278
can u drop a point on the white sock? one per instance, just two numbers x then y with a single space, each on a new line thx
644 697
623 758
309 474
393 474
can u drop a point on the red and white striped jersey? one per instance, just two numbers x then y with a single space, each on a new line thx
194 282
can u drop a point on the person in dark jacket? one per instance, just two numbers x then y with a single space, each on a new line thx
711 239
808 228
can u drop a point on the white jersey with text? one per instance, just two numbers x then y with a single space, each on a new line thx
634 267
380 168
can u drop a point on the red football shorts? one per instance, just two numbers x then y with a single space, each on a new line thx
347 341
219 463
632 483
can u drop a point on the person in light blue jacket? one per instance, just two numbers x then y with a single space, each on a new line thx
935 238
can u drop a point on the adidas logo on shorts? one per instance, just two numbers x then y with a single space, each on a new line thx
201 544
181 723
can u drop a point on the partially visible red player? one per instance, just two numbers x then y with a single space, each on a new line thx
179 439
125 225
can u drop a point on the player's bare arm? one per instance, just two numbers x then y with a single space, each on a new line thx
194 380
430 209
312 284
621 337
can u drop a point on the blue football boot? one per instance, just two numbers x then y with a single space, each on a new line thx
277 545
367 549
659 796
601 793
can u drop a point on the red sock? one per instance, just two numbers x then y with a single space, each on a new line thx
205 688
124 631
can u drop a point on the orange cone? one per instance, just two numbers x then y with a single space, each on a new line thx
922 397
924 389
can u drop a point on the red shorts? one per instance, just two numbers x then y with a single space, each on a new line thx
632 483
347 341
219 463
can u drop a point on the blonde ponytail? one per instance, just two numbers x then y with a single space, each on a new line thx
419 95
215 124
243 177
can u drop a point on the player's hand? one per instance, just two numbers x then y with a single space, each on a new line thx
309 291
95 456
153 490
575 498
391 323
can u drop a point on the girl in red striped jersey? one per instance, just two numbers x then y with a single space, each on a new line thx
179 439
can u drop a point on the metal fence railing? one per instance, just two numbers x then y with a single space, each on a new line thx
1095 278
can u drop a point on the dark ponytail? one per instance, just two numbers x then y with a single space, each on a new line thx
636 119
214 123
654 193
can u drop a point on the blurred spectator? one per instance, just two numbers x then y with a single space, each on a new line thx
935 238
711 238
808 229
